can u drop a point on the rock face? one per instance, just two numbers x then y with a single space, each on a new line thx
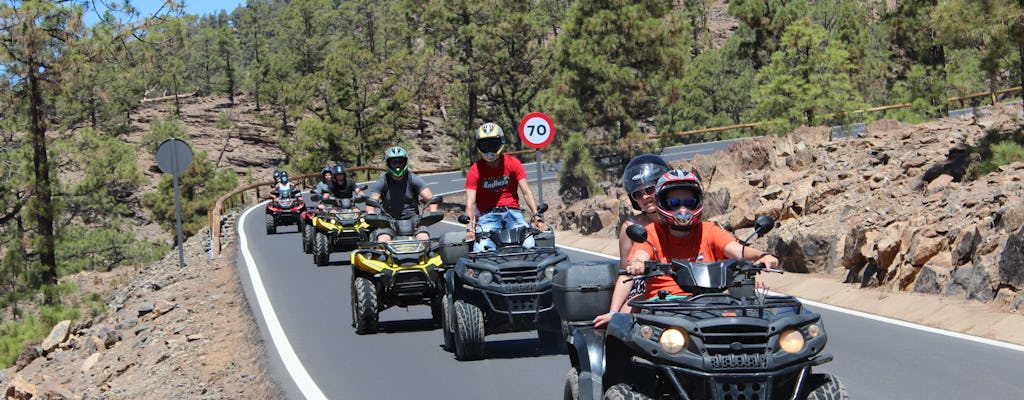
900 207
171 333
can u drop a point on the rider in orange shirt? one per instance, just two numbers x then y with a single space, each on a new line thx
680 234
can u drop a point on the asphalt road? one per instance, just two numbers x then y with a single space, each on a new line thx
304 314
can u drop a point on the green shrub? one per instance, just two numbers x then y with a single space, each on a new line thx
1002 153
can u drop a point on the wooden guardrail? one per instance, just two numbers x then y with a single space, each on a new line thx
237 197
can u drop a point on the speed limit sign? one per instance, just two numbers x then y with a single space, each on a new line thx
536 130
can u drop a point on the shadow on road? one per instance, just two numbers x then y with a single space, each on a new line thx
518 348
408 325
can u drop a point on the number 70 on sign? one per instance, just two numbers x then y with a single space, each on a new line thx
536 130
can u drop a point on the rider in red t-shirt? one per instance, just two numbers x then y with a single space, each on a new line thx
680 234
492 190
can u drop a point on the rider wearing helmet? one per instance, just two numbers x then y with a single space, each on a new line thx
326 176
492 190
397 190
283 187
679 233
340 187
639 178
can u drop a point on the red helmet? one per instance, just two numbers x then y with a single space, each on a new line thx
681 215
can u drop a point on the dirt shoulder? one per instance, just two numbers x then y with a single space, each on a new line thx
957 315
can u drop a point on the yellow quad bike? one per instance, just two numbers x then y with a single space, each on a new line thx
402 272
339 229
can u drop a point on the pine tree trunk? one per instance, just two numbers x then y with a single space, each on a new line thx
41 165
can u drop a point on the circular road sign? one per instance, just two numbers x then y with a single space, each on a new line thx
536 130
173 156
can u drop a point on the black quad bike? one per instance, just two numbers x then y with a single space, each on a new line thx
726 341
499 291
402 272
285 210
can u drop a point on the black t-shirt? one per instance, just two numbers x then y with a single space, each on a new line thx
342 191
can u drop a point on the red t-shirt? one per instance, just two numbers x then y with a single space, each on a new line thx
706 242
496 186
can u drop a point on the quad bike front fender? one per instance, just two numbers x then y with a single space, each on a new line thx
324 225
586 348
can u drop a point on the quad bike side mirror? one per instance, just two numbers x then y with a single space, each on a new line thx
636 233
463 219
315 198
373 203
763 225
542 208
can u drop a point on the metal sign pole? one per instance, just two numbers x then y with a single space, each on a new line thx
177 216
540 188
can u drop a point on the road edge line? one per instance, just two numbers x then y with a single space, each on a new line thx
284 348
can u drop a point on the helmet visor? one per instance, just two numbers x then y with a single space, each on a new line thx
397 162
489 145
675 203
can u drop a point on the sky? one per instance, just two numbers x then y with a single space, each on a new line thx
148 7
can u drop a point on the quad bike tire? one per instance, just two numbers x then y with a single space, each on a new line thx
321 250
469 331
437 311
572 385
623 391
271 226
825 387
308 233
364 306
448 322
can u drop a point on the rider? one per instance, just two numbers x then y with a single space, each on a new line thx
325 181
492 190
397 190
283 188
638 178
340 187
680 234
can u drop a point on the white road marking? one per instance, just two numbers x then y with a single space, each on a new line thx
284 348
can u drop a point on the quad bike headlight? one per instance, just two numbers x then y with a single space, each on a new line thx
813 330
673 340
549 272
791 341
485 277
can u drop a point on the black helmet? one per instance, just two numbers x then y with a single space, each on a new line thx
338 169
277 174
324 171
283 177
642 172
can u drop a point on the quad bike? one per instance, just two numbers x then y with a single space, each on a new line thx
285 210
402 272
337 228
726 341
498 291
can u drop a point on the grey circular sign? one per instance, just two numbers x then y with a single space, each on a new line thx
173 156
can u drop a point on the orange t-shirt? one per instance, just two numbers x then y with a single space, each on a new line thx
706 242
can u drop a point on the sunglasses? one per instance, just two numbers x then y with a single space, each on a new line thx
675 204
637 194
